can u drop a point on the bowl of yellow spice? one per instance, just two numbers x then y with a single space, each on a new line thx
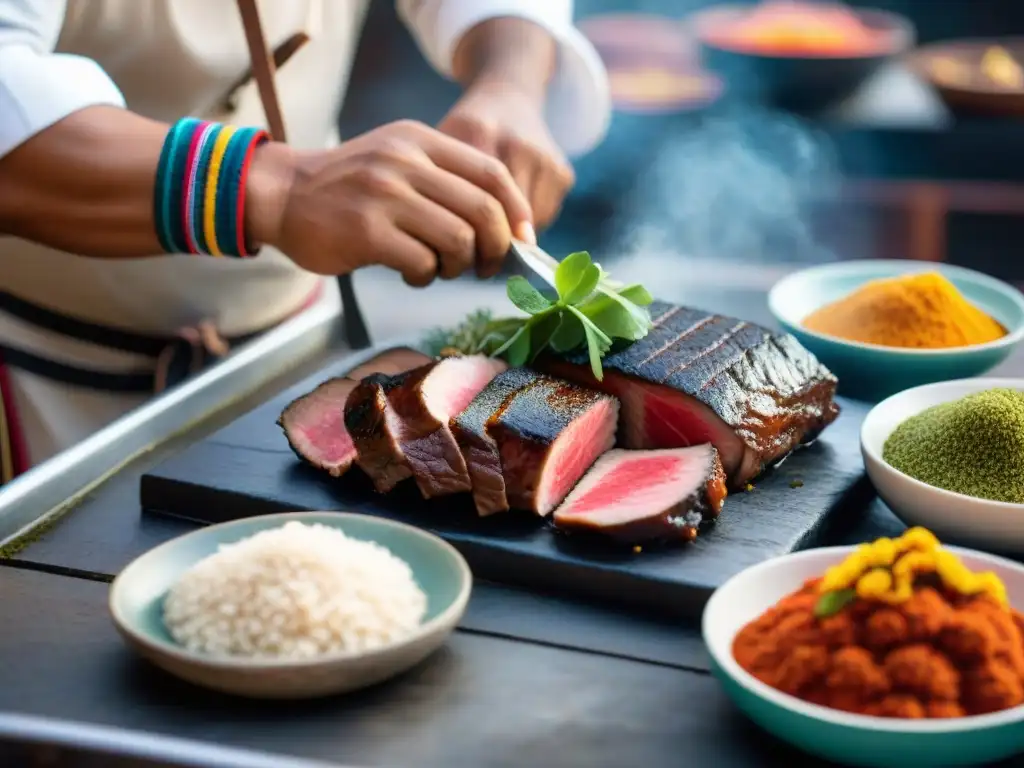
883 326
950 456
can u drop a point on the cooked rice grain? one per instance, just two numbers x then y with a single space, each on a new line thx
295 592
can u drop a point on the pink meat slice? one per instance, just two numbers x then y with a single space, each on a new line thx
314 426
638 496
548 434
423 405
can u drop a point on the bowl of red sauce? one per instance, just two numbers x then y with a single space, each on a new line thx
896 653
795 54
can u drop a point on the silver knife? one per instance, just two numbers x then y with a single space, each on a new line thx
543 264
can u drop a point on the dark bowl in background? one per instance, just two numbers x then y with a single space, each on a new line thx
635 47
797 82
978 97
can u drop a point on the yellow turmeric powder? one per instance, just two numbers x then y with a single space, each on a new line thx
924 311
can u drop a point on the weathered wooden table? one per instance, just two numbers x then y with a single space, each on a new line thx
491 697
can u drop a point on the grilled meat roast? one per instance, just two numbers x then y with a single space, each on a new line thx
701 400
701 378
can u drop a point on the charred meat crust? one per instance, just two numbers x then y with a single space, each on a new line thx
483 458
438 466
766 387
527 425
378 453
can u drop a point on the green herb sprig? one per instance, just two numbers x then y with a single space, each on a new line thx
587 311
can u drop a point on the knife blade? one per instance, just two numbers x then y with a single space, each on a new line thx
544 265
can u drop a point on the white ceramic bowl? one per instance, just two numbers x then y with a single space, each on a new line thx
991 525
840 736
137 594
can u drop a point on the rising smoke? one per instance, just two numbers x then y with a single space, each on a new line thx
740 189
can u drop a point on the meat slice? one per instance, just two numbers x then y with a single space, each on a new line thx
374 428
549 432
699 377
424 402
314 425
639 496
480 450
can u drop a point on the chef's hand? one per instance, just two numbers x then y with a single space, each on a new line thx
403 195
509 125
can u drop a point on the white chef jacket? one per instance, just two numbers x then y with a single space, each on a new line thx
166 59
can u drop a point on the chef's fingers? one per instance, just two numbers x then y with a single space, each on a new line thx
522 164
435 225
484 171
487 221
551 183
402 252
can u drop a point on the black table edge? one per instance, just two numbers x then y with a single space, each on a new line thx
163 751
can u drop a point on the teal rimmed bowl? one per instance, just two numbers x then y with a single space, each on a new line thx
872 372
845 738
137 595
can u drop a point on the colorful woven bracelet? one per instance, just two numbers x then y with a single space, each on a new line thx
199 198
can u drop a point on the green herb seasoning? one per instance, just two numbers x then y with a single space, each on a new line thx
973 446
583 313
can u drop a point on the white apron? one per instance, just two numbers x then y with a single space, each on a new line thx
172 58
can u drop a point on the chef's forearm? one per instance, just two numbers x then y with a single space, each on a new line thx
506 52
85 184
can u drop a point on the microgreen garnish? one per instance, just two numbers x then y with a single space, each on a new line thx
587 311
831 603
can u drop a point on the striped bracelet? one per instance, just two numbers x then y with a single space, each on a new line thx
199 196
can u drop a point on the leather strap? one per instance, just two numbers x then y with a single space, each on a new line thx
263 71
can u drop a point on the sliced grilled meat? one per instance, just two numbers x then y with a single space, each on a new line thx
640 496
549 432
699 377
424 402
374 427
480 450
314 425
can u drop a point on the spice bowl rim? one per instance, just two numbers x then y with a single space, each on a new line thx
722 657
444 622
873 446
857 267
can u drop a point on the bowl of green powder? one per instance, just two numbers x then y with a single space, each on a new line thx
950 457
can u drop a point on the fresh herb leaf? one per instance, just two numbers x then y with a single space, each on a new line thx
589 310
618 322
541 331
594 351
637 294
525 296
831 603
597 342
569 272
585 286
517 349
570 334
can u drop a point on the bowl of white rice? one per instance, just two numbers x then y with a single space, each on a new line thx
294 605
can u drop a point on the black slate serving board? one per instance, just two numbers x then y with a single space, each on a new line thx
248 469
